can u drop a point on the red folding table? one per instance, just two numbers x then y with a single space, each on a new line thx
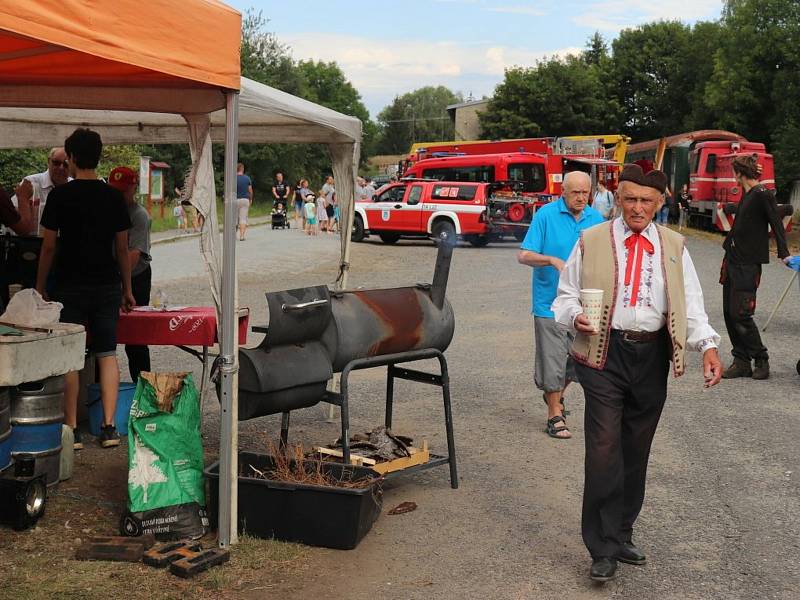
193 326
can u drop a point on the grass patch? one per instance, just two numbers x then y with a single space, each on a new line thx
40 564
167 222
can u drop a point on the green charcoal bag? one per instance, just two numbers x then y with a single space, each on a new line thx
166 492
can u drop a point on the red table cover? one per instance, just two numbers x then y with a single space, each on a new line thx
195 326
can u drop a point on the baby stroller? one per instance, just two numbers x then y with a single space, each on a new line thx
279 220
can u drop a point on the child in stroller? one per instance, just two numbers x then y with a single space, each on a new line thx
279 219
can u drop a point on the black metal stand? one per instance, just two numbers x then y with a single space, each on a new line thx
442 380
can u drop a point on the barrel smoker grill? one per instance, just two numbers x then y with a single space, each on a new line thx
314 333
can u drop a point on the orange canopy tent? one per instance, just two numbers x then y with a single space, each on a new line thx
57 53
161 56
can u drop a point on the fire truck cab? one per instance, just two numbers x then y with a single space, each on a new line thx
419 208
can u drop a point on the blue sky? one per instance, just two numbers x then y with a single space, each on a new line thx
387 48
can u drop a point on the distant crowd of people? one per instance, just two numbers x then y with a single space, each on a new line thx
675 210
314 212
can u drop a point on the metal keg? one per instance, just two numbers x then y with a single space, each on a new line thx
36 417
5 429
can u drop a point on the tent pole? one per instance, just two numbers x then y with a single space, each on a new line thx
229 439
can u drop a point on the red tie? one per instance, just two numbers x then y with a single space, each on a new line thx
637 245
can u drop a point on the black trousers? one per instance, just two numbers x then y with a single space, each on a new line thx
739 286
139 356
623 406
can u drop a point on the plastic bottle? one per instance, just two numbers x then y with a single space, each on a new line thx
160 300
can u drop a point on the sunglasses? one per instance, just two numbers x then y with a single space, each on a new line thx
59 163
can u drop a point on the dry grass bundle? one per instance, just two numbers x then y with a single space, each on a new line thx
291 465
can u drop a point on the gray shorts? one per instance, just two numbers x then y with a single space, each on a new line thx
243 206
553 365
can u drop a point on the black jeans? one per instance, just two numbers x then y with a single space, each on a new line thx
739 286
139 356
623 406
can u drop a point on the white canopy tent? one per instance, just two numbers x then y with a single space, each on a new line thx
263 114
266 115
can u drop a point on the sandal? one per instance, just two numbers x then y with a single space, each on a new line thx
564 410
553 429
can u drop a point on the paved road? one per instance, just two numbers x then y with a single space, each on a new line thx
722 516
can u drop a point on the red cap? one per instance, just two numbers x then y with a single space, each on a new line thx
122 178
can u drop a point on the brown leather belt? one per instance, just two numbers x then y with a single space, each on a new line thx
638 336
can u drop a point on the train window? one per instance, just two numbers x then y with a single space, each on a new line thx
711 163
530 173
694 161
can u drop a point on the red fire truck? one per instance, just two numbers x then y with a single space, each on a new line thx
702 160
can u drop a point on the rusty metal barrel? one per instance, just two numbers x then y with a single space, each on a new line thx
386 321
5 428
36 418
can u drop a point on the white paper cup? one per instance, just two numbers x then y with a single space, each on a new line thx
592 302
13 288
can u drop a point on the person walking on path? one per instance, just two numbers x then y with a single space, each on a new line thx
127 182
746 249
329 193
603 201
652 312
280 190
300 200
550 238
93 272
310 214
322 213
244 198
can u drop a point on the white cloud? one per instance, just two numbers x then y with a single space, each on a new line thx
519 10
613 15
381 69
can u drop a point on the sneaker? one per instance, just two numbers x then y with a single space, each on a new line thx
108 437
77 443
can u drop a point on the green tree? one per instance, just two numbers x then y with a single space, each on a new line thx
418 116
558 96
16 164
648 78
755 85
266 60
325 83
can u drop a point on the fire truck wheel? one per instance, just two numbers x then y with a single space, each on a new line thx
479 241
798 367
389 238
443 231
358 234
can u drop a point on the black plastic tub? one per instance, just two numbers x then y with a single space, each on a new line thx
332 517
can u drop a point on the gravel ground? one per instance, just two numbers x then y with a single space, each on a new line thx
721 516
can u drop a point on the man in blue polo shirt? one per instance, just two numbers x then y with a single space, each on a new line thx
554 231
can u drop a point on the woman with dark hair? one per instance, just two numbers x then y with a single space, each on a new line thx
746 249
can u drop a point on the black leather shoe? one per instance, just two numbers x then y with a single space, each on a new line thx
628 553
603 569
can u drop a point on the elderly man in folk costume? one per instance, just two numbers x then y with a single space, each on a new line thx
652 312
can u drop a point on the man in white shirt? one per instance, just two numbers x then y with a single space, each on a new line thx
652 311
44 183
